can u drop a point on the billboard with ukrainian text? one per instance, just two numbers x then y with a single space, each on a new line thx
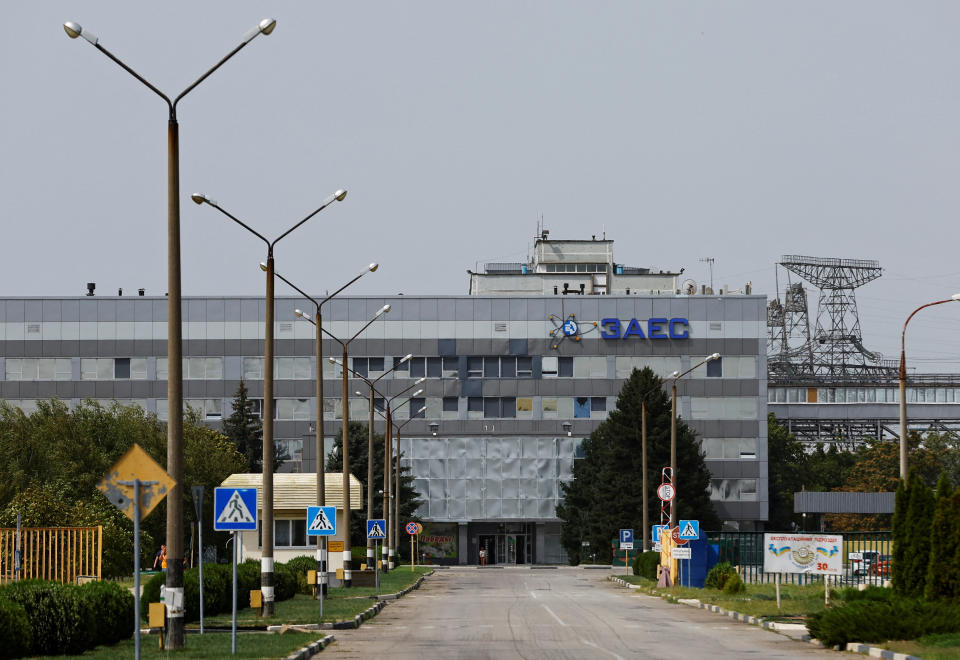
818 554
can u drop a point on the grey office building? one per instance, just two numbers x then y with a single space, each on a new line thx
514 380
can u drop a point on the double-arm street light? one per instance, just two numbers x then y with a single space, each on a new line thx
903 383
174 582
266 558
317 321
643 464
387 461
345 448
673 430
396 499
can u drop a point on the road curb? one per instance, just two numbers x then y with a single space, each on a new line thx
311 649
864 649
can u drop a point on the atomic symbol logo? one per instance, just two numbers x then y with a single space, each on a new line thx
569 327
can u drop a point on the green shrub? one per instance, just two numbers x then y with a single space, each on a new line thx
872 592
112 608
217 588
248 579
873 621
718 575
150 593
734 585
284 582
300 566
645 564
60 624
15 630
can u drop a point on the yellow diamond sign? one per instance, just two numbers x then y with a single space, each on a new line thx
117 484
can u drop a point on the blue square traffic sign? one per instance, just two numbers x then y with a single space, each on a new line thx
376 529
321 521
655 532
689 530
235 509
626 536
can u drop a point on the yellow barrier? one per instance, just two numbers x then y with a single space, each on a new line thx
62 554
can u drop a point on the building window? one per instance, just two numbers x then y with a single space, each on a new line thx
195 368
252 368
474 367
715 368
208 408
415 405
287 534
496 407
292 409
450 404
96 369
38 369
292 368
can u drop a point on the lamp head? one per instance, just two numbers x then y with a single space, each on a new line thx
955 296
333 360
340 195
422 379
715 356
417 393
568 427
373 267
267 25
263 267
405 358
299 312
199 198
422 409
358 393
674 374
383 310
72 29
433 427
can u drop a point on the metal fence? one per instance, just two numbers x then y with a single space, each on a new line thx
866 557
51 553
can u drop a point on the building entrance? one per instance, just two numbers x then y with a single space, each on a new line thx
505 548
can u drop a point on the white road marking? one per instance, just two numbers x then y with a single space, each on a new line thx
600 648
427 627
549 611
534 594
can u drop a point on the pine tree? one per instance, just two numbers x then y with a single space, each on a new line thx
919 513
605 494
900 539
941 551
244 429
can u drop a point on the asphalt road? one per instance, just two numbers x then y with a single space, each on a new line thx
554 613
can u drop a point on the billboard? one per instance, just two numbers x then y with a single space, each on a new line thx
818 554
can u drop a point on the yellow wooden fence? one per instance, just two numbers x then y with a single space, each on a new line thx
52 553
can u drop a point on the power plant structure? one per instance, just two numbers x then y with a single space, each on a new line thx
823 383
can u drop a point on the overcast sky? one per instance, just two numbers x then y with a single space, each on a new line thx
740 131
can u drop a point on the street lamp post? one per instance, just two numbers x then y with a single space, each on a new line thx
673 429
387 467
903 383
174 581
317 321
396 499
266 557
345 449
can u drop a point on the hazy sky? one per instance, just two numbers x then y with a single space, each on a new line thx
741 131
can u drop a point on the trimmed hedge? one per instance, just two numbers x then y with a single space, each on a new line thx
734 585
112 608
300 566
60 622
218 588
873 621
645 564
15 630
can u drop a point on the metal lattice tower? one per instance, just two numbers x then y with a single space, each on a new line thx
789 350
836 348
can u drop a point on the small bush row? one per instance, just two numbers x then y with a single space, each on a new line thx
645 564
876 619
49 618
218 588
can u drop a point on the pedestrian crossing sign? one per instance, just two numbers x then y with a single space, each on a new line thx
235 509
321 520
376 529
689 530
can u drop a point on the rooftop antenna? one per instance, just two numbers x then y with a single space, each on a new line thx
709 260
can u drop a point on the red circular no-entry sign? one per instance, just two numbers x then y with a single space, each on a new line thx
675 535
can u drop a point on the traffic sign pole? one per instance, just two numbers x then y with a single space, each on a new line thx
233 626
136 568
